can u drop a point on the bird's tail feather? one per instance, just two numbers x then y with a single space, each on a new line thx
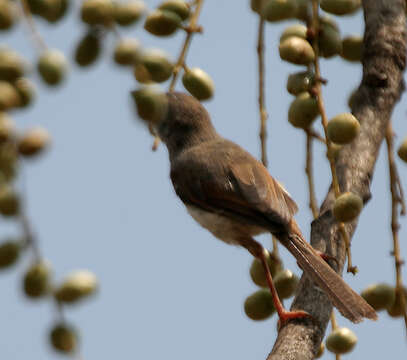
348 302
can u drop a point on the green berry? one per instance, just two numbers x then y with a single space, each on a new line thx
162 23
303 9
33 142
36 282
340 7
300 82
9 97
127 51
53 10
257 273
129 13
296 51
157 64
88 49
343 128
198 83
26 91
286 283
7 14
97 12
9 201
9 253
180 7
341 341
330 43
7 128
303 111
352 48
298 30
151 103
379 296
52 67
277 10
63 338
12 65
259 305
347 207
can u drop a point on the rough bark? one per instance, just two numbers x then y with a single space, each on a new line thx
384 60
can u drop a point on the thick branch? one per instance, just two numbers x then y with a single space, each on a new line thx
383 65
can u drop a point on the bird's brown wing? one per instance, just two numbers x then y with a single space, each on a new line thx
235 184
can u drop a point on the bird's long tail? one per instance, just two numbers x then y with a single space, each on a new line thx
348 302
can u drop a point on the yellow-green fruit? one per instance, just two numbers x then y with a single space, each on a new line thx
352 48
53 10
151 103
157 64
255 5
7 128
257 273
11 65
347 207
330 43
379 296
180 7
198 83
162 23
33 142
97 12
303 111
63 338
402 151
340 7
9 201
88 49
36 6
9 252
343 128
141 74
36 282
300 82
52 66
320 351
8 160
9 97
126 14
277 10
335 149
259 305
396 309
7 16
127 51
78 285
298 30
296 51
303 9
286 283
341 341
26 90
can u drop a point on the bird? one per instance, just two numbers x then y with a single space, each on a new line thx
232 195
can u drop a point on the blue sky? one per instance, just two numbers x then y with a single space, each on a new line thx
100 199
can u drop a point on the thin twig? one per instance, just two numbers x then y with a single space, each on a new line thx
37 38
309 172
396 199
316 136
324 120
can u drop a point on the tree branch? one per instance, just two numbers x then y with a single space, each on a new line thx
383 62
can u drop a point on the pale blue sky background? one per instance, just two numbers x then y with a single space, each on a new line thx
100 199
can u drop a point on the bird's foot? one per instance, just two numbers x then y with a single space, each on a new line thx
284 316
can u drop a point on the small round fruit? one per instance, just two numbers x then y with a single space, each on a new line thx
379 296
402 151
52 66
12 65
396 309
298 30
259 305
151 103
78 285
9 253
26 90
255 5
303 10
286 283
127 51
347 207
343 128
7 14
257 273
9 97
36 282
180 7
296 51
157 64
8 160
63 338
162 23
341 341
340 7
141 74
126 14
9 201
33 142
300 82
7 128
335 149
321 351
330 43
53 10
352 48
277 10
88 49
303 111
198 83
97 12
352 99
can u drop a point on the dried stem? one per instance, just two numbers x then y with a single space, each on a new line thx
309 172
396 199
315 135
37 38
324 120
